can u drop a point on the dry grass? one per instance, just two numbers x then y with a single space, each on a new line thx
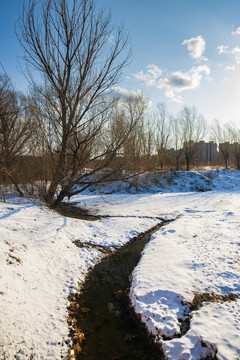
76 335
202 167
17 259
199 299
77 338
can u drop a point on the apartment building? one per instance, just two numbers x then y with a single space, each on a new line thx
206 152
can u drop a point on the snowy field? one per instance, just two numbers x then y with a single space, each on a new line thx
198 253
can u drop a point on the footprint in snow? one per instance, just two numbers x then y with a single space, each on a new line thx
166 232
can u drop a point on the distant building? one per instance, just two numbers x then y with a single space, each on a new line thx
206 152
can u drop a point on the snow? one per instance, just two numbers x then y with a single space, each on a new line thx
198 252
40 266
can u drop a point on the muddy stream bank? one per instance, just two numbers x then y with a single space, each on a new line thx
105 325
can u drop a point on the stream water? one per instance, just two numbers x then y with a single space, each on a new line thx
102 311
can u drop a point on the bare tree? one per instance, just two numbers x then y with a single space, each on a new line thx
80 56
130 110
164 125
135 107
234 134
176 141
15 131
223 136
192 127
149 145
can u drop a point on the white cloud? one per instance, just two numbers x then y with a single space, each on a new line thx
175 82
196 46
237 58
236 53
154 70
230 68
236 32
236 50
151 76
179 81
126 92
223 49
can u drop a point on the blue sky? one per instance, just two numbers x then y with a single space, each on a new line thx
185 52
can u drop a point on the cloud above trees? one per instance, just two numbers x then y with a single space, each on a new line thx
196 47
175 82
125 92
151 76
234 52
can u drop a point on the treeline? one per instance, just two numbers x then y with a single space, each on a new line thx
75 129
121 141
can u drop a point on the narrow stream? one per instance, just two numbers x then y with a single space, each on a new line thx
102 311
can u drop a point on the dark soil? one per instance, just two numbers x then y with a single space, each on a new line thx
199 299
86 244
106 327
73 211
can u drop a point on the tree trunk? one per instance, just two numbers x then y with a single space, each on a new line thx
226 163
59 173
177 165
49 198
58 200
12 179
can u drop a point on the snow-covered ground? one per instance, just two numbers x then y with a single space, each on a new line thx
40 265
197 253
